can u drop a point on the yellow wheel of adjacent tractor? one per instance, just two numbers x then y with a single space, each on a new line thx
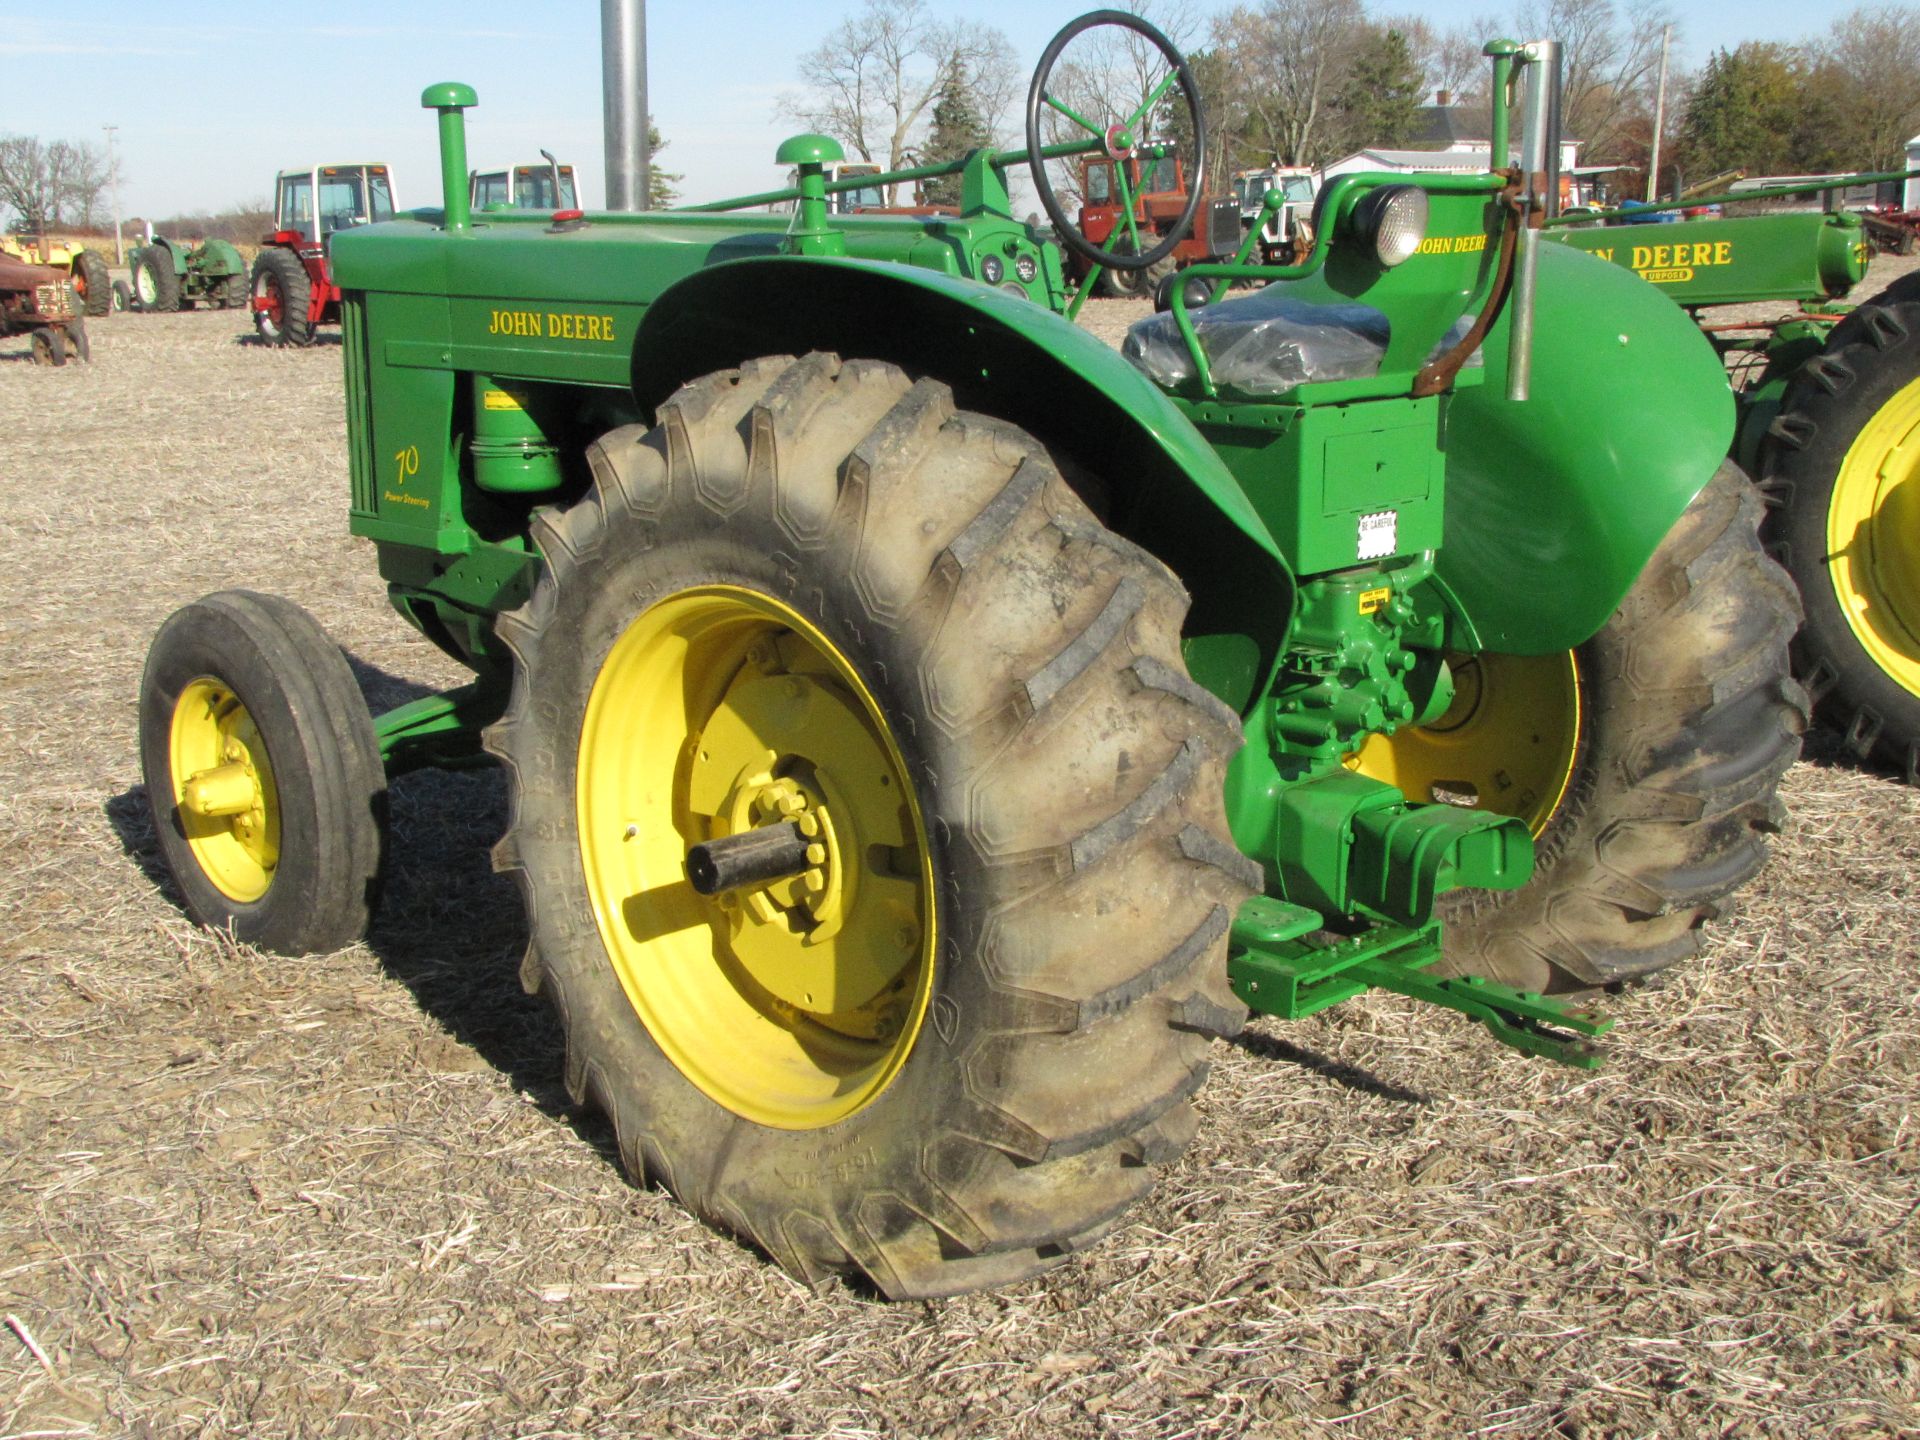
1507 743
793 999
1873 537
263 774
1843 470
872 835
1644 762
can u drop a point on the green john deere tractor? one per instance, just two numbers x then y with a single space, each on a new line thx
928 730
169 276
1830 423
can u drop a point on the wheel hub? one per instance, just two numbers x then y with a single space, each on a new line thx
1508 742
223 790
792 995
1871 521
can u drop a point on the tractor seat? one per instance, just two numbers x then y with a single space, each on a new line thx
1263 343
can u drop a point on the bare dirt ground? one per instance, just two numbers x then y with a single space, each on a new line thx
241 1195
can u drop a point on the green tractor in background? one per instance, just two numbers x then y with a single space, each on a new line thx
169 275
1829 422
927 728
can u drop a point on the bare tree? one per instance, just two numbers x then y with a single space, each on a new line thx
872 82
1871 60
1608 62
45 184
1289 58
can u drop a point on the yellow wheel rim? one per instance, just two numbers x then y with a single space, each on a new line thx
1507 743
1873 537
223 790
792 1003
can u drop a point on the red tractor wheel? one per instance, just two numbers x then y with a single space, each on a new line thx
282 296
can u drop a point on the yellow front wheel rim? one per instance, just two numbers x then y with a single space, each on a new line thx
223 790
1508 742
794 1003
1873 537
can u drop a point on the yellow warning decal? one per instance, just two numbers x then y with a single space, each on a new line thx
1372 600
500 400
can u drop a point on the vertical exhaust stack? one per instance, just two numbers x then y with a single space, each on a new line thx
1540 167
450 98
623 87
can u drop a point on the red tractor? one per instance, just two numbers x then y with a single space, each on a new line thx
1161 203
293 289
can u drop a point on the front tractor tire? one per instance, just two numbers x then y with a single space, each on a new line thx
943 1049
282 283
1645 762
1842 472
263 774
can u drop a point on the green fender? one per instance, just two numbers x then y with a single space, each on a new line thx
217 259
1153 478
1555 504
175 255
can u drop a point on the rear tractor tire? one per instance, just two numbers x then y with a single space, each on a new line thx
263 773
817 599
1645 762
282 281
93 284
1842 472
154 282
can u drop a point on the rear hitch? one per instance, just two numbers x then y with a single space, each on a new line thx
1283 963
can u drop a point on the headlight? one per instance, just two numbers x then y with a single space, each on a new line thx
1026 267
1392 219
992 269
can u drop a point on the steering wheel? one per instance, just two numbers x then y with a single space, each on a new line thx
1119 142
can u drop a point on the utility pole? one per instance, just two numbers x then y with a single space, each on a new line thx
113 178
623 96
1659 117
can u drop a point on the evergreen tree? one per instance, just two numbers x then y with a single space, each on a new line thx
1745 112
1380 101
662 185
957 129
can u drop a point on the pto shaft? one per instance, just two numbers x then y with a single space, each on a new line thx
753 857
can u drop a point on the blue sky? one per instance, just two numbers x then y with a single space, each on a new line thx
208 111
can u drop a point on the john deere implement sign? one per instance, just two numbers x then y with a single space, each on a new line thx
1671 264
1802 256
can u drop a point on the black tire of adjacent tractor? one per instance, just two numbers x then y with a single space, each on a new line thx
1691 719
329 785
122 296
1871 356
95 285
231 293
154 280
1199 292
49 346
278 274
77 343
1027 663
1135 284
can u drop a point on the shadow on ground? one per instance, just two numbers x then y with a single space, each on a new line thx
445 926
